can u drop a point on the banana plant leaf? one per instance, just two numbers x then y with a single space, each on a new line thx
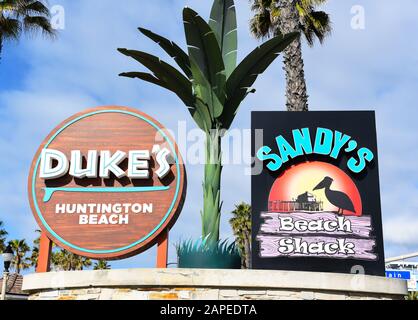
202 116
210 84
172 49
223 21
187 99
198 109
243 77
168 75
204 50
146 77
204 91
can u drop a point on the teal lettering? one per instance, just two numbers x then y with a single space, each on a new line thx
323 141
339 143
365 156
302 139
263 154
286 150
327 142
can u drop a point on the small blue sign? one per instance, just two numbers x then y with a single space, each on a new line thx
398 274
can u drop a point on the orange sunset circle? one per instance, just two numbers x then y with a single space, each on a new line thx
304 177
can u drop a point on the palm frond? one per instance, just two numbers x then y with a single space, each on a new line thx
24 15
322 22
7 6
30 7
313 24
32 24
316 25
10 28
261 4
261 25
313 3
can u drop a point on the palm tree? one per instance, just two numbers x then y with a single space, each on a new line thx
273 16
35 250
211 85
3 234
101 265
241 226
21 249
67 261
17 16
61 259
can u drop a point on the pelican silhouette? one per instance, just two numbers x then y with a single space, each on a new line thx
337 198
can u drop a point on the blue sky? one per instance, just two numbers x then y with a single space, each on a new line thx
43 82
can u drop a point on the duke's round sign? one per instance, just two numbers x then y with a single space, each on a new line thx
106 182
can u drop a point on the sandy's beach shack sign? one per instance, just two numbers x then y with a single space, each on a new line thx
107 183
315 192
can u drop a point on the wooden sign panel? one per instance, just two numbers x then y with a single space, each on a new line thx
315 192
107 182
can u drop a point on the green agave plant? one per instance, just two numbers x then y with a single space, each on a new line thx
210 84
222 247
198 253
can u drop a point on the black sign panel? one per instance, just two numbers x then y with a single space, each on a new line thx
315 192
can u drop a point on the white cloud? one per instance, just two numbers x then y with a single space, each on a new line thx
400 231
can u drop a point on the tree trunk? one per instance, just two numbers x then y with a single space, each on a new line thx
211 214
18 261
247 245
296 93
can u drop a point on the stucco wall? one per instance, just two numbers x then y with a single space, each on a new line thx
196 284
